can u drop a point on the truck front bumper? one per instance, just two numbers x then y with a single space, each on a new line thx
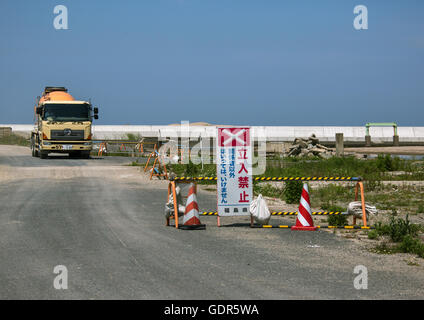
65 147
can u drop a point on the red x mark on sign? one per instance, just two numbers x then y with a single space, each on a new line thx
233 137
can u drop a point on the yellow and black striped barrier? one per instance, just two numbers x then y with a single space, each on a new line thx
307 178
208 213
270 226
289 213
279 213
194 178
275 178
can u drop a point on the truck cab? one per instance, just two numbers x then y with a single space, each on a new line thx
63 124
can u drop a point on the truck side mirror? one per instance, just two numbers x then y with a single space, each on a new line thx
39 110
96 116
96 110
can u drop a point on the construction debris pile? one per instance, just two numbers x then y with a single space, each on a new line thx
309 147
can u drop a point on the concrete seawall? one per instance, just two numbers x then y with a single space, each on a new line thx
326 134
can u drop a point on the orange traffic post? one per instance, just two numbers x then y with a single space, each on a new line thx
101 148
171 189
360 187
174 195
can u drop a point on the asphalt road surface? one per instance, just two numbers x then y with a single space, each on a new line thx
104 222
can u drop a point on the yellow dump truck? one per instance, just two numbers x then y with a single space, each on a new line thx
62 125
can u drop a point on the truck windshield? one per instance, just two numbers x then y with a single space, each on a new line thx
66 112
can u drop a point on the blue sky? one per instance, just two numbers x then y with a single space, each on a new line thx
241 62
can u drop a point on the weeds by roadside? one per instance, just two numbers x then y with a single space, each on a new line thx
292 191
371 170
15 139
268 190
133 137
339 220
397 228
402 234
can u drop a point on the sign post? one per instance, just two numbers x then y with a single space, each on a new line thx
234 172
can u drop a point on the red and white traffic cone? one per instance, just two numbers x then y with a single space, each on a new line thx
304 216
191 218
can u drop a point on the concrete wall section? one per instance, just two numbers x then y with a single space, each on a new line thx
272 133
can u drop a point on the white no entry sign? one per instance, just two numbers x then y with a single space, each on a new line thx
234 171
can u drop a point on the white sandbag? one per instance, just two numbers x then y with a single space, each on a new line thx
169 206
259 210
355 208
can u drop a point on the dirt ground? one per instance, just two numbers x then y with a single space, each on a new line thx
360 237
117 218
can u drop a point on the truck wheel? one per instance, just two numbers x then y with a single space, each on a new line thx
35 152
43 155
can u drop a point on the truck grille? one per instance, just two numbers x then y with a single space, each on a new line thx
67 134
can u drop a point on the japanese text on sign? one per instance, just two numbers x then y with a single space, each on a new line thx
234 171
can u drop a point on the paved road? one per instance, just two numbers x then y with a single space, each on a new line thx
104 222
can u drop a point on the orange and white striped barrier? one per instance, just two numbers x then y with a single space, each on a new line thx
191 218
304 219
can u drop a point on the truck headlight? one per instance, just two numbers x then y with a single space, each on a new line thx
47 143
87 143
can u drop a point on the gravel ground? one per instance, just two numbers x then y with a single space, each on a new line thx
104 221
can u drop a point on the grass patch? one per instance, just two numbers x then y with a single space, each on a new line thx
371 170
402 233
268 190
412 263
332 194
397 228
293 191
384 248
339 220
14 139
194 170
133 137
373 234
409 244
